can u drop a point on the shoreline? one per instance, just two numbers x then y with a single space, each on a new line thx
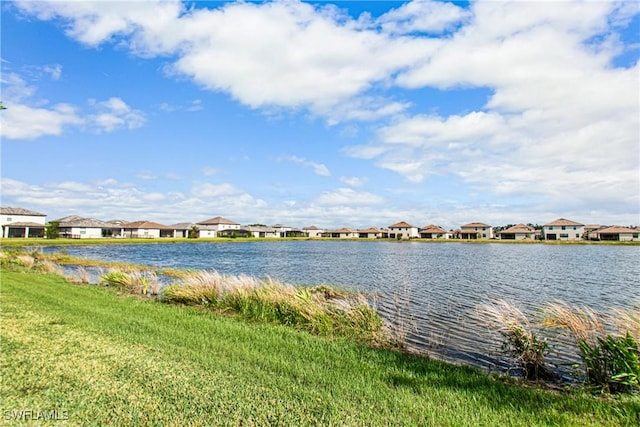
38 242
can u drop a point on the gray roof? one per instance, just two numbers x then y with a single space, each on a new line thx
7 210
24 224
76 221
182 226
217 220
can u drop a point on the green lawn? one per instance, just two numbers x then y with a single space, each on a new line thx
98 358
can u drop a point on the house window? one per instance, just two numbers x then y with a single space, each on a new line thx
550 228
566 236
564 228
577 236
9 219
83 231
574 228
635 236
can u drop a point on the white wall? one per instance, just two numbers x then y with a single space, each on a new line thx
573 232
9 219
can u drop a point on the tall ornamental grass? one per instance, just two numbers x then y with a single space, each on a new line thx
320 310
520 340
132 282
611 357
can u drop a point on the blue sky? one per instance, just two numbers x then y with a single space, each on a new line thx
335 114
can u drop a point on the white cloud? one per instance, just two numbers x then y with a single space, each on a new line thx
274 54
146 176
422 16
318 168
20 121
562 124
55 71
108 199
348 197
209 171
28 118
114 113
353 181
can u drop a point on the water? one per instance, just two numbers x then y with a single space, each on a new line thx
435 288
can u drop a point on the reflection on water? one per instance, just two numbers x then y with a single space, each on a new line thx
435 288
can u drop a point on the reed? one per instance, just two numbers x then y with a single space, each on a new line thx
319 310
133 282
611 357
520 340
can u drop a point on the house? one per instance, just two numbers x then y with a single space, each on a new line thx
19 222
235 232
476 230
342 233
76 227
260 231
182 229
403 230
590 231
146 230
617 233
373 233
434 232
286 231
210 227
313 231
518 232
562 229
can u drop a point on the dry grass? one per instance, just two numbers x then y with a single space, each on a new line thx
321 310
627 320
520 339
132 282
583 323
25 260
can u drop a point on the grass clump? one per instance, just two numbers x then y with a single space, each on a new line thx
520 340
132 282
320 310
611 358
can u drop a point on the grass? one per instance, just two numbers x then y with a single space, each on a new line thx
319 310
104 359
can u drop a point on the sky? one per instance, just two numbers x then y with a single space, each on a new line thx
336 114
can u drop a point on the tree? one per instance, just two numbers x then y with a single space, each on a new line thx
193 233
2 107
52 230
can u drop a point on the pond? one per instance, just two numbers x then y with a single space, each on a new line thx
434 288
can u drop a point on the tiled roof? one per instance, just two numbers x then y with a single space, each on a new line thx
474 225
562 221
312 227
76 221
518 229
433 229
402 224
371 230
145 225
182 226
616 229
217 220
7 210
342 230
